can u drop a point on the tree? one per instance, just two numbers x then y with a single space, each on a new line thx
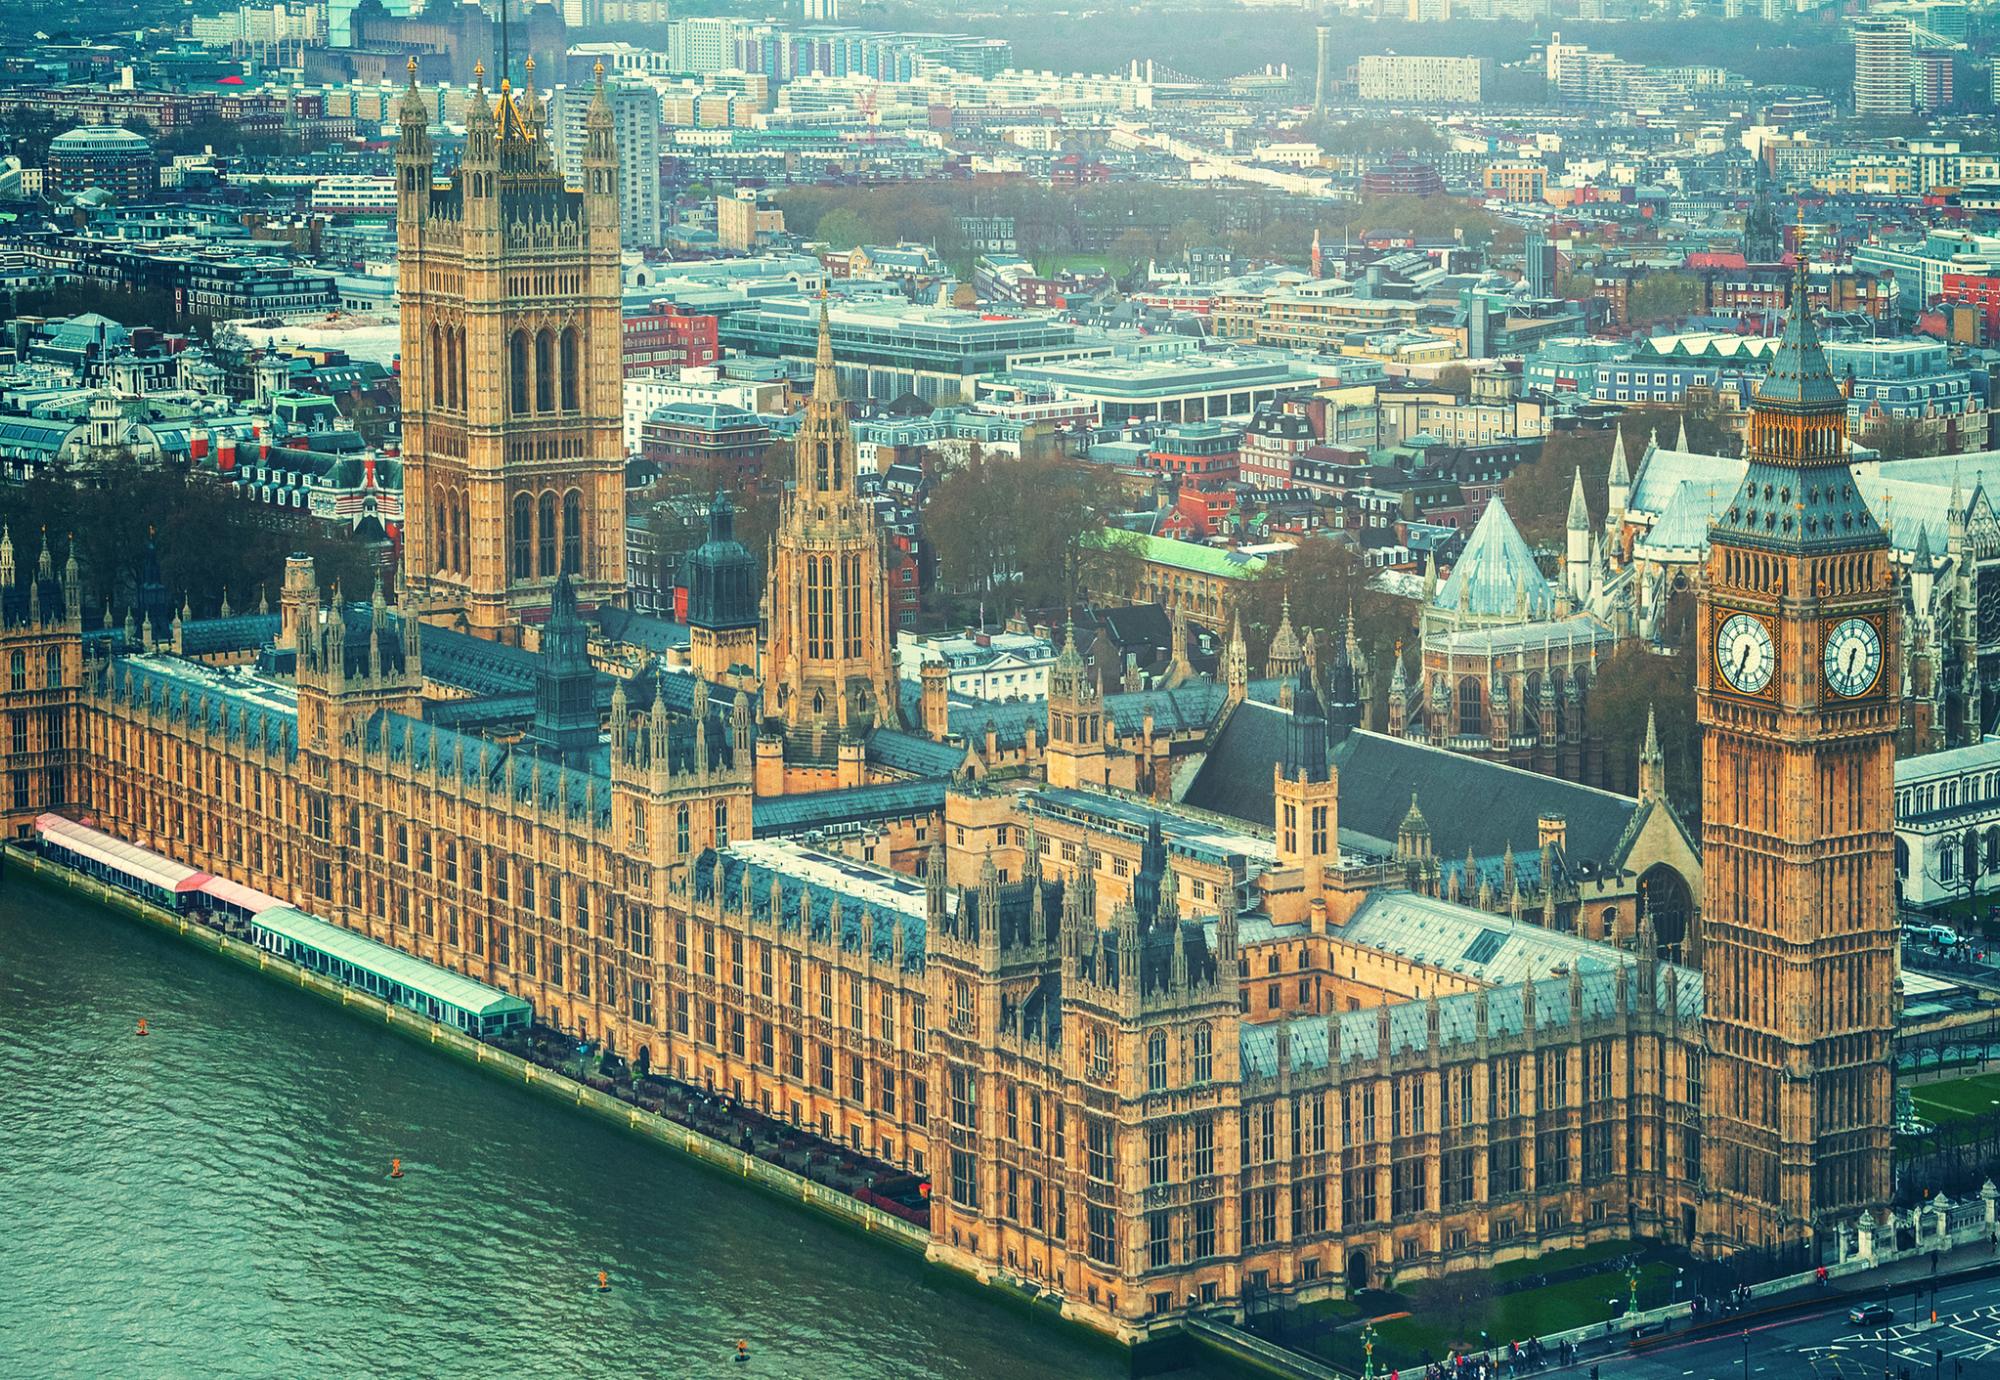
841 228
208 539
1456 377
1660 296
1015 527
1190 234
1324 579
1636 682
1897 438
1129 253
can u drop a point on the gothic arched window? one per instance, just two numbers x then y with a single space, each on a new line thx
572 533
545 371
517 372
438 370
524 536
457 536
441 539
1471 706
545 552
571 367
1156 1061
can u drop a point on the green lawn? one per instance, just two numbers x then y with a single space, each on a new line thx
1507 1317
1957 1098
1557 1261
1072 263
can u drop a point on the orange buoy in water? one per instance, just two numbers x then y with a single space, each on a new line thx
742 1350
395 1169
142 1026
603 1282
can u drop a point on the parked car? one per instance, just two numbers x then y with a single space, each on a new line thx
1866 1313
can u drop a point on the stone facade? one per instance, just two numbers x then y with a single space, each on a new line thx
513 457
1797 694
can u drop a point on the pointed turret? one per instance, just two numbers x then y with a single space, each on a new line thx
1413 835
600 164
1235 661
1797 493
1282 662
1577 538
1618 483
1652 762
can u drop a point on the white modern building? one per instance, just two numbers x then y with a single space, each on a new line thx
1948 824
1419 80
635 119
983 666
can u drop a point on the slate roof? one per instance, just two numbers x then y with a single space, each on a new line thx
475 664
798 814
912 755
1472 943
1192 707
1469 803
242 632
236 703
655 634
476 761
1311 1040
799 889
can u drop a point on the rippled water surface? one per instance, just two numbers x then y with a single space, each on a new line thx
213 1200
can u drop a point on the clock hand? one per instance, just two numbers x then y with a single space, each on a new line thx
1743 662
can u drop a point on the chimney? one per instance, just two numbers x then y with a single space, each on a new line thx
1553 830
225 453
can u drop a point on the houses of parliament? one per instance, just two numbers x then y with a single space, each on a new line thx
1184 997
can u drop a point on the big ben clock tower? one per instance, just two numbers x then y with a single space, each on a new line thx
1797 696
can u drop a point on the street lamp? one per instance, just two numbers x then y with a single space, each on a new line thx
1632 1278
1368 1351
1746 1354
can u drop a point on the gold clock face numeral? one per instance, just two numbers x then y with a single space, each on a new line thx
1744 654
1853 657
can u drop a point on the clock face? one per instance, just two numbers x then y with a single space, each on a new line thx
1853 658
1744 654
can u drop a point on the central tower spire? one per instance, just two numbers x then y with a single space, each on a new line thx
829 667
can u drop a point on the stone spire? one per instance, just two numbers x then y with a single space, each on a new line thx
1652 763
826 384
1235 660
1579 509
1282 662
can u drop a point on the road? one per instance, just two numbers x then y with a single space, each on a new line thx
1820 1344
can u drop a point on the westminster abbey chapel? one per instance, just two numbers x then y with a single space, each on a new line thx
1183 997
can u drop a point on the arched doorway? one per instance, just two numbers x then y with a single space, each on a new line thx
1357 1271
1664 892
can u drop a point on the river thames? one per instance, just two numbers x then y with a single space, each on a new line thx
213 1200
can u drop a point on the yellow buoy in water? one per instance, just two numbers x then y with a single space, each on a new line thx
142 1026
395 1169
603 1282
742 1350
